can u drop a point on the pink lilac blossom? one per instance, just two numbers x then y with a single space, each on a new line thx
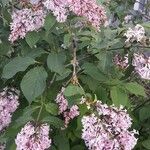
68 113
8 105
117 117
127 139
142 65
61 101
108 129
121 62
71 114
24 21
2 146
33 138
58 7
128 18
89 9
136 34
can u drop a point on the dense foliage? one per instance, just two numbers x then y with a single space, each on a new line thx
74 75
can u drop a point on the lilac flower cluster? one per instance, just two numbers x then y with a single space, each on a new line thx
120 62
71 114
26 20
108 129
89 9
140 61
29 19
68 113
142 65
2 146
8 105
62 101
58 7
136 34
128 18
33 138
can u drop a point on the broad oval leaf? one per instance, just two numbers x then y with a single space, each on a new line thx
118 96
78 147
146 144
55 62
144 113
52 108
32 38
16 65
61 140
54 121
64 75
33 83
135 88
4 47
49 22
34 53
72 90
94 72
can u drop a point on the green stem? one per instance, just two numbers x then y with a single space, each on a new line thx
40 111
52 80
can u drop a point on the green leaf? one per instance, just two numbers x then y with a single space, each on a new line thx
118 96
102 94
55 62
105 63
11 132
144 113
146 144
11 145
25 116
6 18
53 148
32 38
87 80
83 110
72 90
62 142
33 83
4 47
67 38
54 121
94 72
34 53
49 22
78 147
64 75
52 108
16 65
146 24
135 88
73 100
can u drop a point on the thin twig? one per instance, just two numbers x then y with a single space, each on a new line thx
38 117
52 80
40 111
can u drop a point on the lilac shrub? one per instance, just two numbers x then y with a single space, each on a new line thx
64 55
